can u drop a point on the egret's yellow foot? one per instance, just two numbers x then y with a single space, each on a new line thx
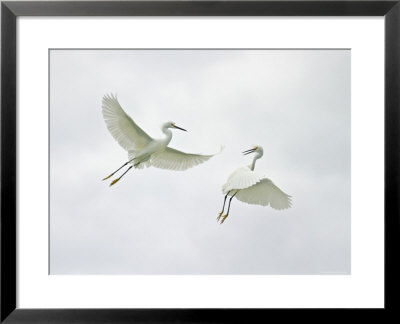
219 216
114 182
223 218
108 177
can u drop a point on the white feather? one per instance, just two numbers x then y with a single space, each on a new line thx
265 193
241 178
172 159
125 131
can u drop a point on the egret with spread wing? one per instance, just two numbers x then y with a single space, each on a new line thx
144 151
253 188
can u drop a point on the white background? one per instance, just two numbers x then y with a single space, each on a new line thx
363 288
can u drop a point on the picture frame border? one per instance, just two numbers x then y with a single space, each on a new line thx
11 10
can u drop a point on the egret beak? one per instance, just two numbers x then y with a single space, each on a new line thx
249 151
180 128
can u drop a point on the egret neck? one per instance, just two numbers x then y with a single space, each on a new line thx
256 157
165 129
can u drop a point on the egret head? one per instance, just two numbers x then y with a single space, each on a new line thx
171 124
256 149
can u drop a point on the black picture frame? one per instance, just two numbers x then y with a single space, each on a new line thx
11 10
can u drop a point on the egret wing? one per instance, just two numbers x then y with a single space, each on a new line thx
265 193
125 131
172 159
241 178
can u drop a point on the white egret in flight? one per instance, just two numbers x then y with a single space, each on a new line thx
253 188
144 151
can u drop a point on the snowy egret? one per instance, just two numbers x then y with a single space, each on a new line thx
144 151
253 188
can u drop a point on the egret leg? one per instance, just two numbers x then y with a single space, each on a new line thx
118 169
116 180
229 207
223 207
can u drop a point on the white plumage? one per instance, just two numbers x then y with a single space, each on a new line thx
143 150
125 131
253 188
172 159
242 178
265 193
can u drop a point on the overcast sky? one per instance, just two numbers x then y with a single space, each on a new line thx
294 103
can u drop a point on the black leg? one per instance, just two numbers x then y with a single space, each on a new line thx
118 169
229 207
116 180
223 207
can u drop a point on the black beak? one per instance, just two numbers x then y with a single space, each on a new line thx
180 128
249 151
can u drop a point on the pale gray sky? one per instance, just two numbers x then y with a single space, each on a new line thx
295 103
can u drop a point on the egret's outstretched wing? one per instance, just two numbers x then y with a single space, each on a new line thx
241 178
265 193
129 135
172 159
